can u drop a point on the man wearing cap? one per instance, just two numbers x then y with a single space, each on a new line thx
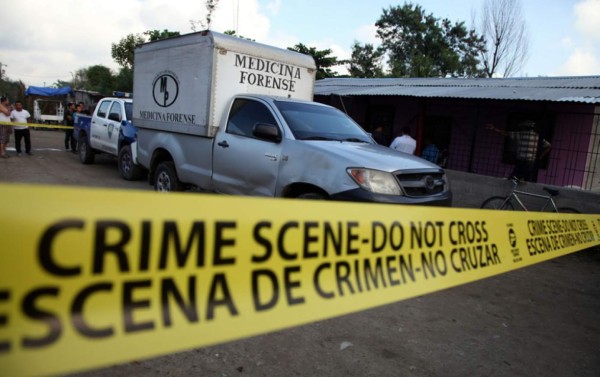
527 142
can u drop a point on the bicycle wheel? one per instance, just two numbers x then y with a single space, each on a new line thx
567 210
497 202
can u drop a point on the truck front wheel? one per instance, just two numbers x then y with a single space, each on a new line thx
128 169
312 195
165 178
86 154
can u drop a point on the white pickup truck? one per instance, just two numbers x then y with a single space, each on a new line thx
108 130
228 115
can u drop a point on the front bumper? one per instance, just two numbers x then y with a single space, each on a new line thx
359 195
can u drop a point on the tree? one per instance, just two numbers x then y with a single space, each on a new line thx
233 33
211 7
97 78
60 84
507 43
366 61
123 51
156 35
323 61
420 45
123 82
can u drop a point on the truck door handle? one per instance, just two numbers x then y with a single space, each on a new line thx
271 157
223 144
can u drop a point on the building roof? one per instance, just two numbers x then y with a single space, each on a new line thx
582 89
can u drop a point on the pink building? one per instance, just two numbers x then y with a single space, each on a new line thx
453 114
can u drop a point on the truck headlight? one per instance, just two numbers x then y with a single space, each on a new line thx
376 181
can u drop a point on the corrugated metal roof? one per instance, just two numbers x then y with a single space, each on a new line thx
584 89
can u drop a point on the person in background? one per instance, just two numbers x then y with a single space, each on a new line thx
83 109
21 116
70 142
431 152
379 136
528 149
5 130
404 143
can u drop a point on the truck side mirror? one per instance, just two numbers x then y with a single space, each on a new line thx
267 132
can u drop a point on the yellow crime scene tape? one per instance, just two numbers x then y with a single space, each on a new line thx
36 125
127 275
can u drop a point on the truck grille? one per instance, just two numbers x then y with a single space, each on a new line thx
422 184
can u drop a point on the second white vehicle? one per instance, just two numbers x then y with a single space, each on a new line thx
109 130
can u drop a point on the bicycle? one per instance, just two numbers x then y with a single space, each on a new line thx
508 202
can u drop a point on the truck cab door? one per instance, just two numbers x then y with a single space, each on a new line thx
99 125
113 127
247 154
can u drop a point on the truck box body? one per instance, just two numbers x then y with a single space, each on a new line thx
184 84
228 115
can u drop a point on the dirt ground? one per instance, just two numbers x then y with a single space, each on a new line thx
539 321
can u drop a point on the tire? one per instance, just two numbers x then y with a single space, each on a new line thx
567 210
127 168
312 196
86 153
165 178
497 202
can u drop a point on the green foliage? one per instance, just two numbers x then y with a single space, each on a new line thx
97 78
124 80
123 51
322 58
156 35
14 90
421 45
60 84
234 34
366 61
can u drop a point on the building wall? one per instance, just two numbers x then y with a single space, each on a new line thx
571 128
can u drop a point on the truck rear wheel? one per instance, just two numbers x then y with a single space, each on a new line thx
127 168
86 154
165 178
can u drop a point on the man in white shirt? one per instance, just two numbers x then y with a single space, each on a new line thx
20 115
404 143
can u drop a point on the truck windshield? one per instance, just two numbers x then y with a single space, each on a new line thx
314 122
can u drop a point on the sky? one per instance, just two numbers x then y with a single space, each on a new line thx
49 41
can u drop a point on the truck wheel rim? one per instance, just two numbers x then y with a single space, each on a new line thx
126 163
163 182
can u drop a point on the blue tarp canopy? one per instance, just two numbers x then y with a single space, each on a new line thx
49 92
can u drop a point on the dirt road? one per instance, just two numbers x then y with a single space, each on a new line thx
539 321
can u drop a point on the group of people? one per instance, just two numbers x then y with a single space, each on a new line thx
20 117
530 148
14 119
405 143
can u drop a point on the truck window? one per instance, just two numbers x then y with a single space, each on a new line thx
129 110
115 112
103 109
245 114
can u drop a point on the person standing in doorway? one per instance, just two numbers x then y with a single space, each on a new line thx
528 151
5 130
431 152
379 136
22 117
404 143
